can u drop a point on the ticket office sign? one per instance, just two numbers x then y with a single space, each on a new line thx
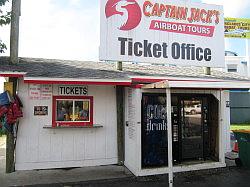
159 31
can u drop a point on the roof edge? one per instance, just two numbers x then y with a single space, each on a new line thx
76 81
12 74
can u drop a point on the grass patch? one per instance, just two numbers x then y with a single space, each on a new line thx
240 127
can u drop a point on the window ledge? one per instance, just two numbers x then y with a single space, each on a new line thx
95 126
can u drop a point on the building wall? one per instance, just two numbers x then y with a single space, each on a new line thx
239 63
132 129
133 132
225 116
240 107
39 148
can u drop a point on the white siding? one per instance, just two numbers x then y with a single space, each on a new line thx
226 118
132 131
39 148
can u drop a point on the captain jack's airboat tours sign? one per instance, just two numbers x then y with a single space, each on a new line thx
160 31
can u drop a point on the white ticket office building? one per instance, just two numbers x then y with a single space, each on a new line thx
71 116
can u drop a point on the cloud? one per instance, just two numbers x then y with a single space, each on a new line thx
5 30
49 30
236 9
74 2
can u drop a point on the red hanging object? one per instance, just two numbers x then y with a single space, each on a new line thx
3 110
13 111
11 119
17 112
18 100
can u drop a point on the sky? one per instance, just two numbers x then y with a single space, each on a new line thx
69 29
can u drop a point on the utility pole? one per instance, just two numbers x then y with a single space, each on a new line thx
120 123
120 118
14 38
14 31
10 140
170 139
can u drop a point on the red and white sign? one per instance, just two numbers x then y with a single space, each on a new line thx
34 91
159 31
40 91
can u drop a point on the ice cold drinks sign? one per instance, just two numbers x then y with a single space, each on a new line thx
159 31
156 118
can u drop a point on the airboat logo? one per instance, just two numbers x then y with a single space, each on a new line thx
129 10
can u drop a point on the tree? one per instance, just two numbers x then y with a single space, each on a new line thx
5 18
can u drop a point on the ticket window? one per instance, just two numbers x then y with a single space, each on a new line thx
72 111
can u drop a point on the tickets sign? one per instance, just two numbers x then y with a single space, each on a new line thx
159 31
73 90
237 28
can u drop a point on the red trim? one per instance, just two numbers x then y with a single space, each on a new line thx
54 123
146 80
188 88
152 80
137 86
198 88
11 75
77 82
209 88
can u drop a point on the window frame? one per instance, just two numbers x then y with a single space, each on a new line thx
232 68
56 123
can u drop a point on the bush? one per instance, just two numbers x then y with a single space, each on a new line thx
245 126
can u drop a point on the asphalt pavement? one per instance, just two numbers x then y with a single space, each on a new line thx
118 176
223 177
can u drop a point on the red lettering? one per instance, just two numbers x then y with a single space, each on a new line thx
162 9
203 13
209 16
167 11
155 10
182 13
217 14
146 5
191 18
197 15
173 12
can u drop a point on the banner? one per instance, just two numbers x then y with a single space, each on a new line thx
159 31
237 28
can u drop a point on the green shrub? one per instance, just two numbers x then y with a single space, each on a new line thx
245 126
